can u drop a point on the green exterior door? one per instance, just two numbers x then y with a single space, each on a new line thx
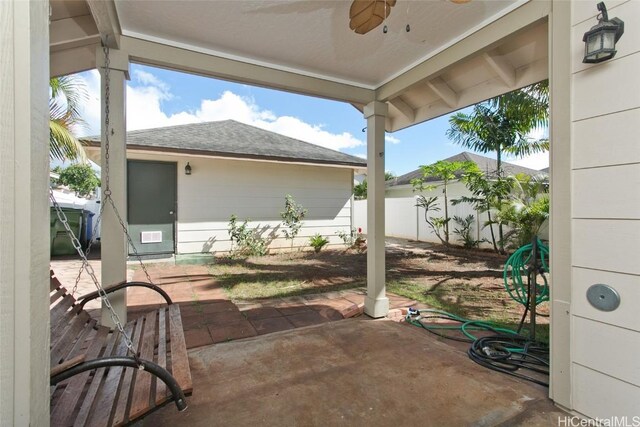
151 203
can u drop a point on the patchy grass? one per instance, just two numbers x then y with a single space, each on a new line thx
462 282
474 302
279 276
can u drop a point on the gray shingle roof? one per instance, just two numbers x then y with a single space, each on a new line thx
485 164
229 138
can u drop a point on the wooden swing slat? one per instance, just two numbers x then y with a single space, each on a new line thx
179 357
63 411
140 402
114 395
161 387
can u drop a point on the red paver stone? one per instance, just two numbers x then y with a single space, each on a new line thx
197 337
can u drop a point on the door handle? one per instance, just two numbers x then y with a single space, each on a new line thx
170 212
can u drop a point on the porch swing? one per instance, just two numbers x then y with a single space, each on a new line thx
102 376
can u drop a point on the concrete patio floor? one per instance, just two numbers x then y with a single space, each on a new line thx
354 372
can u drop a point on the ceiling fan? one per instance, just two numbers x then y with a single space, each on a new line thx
365 15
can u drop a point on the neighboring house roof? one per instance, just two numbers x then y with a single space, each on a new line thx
486 164
229 138
545 170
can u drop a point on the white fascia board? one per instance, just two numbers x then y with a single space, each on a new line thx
93 153
189 59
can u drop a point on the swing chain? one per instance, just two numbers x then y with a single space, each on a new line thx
89 268
96 226
107 130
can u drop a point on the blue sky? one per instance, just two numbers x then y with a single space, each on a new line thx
158 97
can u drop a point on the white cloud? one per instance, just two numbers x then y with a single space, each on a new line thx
392 139
535 161
146 93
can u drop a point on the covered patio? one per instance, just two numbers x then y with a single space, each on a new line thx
453 56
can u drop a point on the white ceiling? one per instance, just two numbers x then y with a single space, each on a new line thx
309 37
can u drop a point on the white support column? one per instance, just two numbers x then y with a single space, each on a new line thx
560 129
376 303
113 240
24 213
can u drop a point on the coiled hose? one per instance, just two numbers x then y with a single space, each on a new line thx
519 267
507 351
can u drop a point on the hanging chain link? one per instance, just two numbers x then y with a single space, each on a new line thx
107 129
89 268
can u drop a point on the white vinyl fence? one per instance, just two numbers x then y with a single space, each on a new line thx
405 220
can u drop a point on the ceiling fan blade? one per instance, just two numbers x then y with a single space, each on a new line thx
365 15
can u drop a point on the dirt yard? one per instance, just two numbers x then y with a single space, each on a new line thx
468 283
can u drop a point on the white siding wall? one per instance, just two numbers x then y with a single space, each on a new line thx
218 188
606 217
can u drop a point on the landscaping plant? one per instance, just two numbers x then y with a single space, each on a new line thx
445 172
487 193
292 218
317 242
526 209
464 231
354 239
502 125
248 241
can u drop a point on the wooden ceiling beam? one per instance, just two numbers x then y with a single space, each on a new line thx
404 108
106 19
72 32
442 89
505 71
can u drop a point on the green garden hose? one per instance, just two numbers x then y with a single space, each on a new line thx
506 351
517 271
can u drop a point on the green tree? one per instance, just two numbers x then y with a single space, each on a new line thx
445 172
360 190
292 218
486 195
502 124
65 96
526 209
79 177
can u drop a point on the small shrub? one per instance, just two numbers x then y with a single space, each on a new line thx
318 242
292 218
248 241
354 239
464 231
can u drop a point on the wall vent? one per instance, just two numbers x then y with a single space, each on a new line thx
151 237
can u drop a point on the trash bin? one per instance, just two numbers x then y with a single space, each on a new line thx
87 230
60 241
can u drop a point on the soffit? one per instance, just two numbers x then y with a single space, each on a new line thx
309 37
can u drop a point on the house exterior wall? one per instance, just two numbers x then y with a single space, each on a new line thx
605 178
24 214
218 188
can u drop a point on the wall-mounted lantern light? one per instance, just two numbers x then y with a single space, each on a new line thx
187 169
600 40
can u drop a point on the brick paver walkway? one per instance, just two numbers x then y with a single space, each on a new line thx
207 314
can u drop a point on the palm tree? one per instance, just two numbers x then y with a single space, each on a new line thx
65 96
501 124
